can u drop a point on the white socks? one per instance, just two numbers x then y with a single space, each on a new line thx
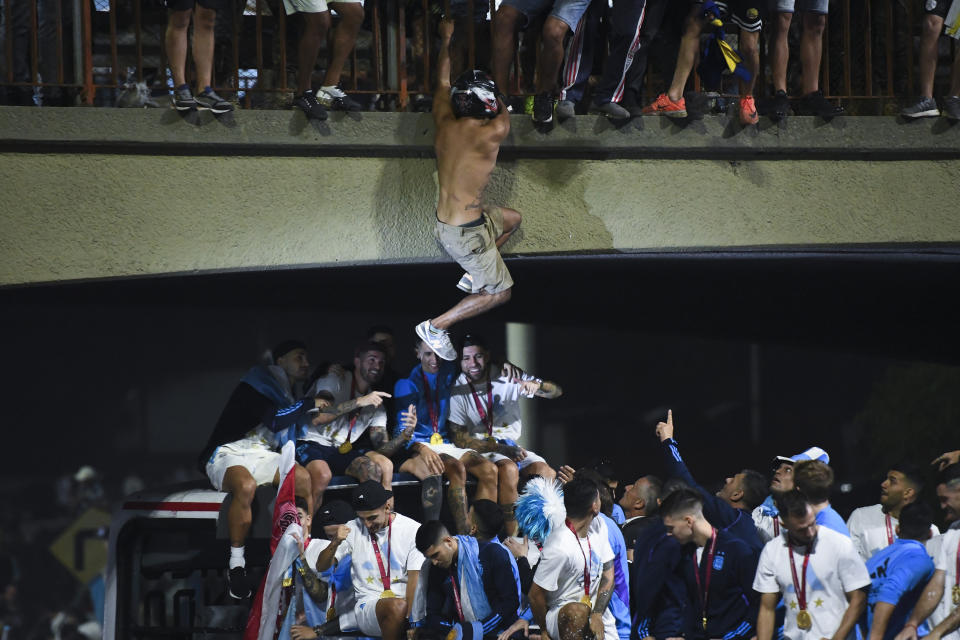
236 558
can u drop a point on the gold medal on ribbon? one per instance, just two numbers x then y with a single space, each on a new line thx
388 593
436 438
345 447
804 621
331 614
492 439
956 594
586 600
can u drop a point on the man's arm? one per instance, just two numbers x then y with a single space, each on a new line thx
412 578
604 593
465 440
325 559
766 617
331 413
387 446
856 602
925 606
947 625
881 618
538 607
442 109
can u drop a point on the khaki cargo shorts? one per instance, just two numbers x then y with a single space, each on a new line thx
474 248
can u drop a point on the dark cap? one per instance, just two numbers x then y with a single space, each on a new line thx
283 348
369 495
334 512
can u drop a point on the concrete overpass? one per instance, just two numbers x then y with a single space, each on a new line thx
117 193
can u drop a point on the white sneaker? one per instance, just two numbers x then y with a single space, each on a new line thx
466 283
438 342
334 98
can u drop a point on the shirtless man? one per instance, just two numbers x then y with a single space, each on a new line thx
471 121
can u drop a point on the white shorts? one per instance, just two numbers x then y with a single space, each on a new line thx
609 623
449 449
311 6
262 464
366 612
523 464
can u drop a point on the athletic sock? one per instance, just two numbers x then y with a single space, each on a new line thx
236 558
433 330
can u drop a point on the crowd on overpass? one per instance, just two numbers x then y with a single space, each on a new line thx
540 547
569 36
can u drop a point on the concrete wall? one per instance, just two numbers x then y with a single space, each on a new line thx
114 193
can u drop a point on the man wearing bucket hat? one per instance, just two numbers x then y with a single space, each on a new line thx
766 517
385 562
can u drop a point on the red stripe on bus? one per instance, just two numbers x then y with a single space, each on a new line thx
172 506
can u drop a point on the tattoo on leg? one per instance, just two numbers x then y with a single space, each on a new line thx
431 497
363 468
458 509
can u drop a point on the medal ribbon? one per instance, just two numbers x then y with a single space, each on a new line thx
384 574
800 586
586 561
776 526
704 588
456 594
432 409
485 416
356 412
889 530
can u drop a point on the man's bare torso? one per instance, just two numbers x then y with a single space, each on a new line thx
466 151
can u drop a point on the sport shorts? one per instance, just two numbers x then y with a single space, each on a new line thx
366 612
795 6
569 11
311 6
936 7
183 5
262 464
474 248
308 451
743 13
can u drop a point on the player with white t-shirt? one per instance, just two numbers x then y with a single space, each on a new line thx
940 601
385 562
485 417
818 572
875 527
342 439
573 583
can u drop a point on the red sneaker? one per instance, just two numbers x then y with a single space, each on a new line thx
748 111
664 106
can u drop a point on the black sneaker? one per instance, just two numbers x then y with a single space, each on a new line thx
208 100
780 106
815 104
239 586
183 99
542 108
334 98
308 103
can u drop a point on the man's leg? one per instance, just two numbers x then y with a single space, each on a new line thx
689 46
175 41
315 26
471 306
507 477
344 39
386 468
486 474
365 468
431 487
303 485
456 473
539 469
780 50
573 621
511 221
204 20
320 475
240 484
392 617
932 28
505 24
750 50
811 51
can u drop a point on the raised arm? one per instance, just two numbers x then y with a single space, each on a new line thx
442 110
325 559
388 446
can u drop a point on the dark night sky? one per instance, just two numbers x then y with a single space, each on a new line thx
130 375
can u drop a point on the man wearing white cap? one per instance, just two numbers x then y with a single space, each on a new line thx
875 527
766 517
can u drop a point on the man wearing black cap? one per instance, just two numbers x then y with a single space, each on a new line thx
471 121
240 454
385 562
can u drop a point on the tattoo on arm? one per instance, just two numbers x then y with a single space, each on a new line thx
314 586
465 440
605 591
382 442
329 414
